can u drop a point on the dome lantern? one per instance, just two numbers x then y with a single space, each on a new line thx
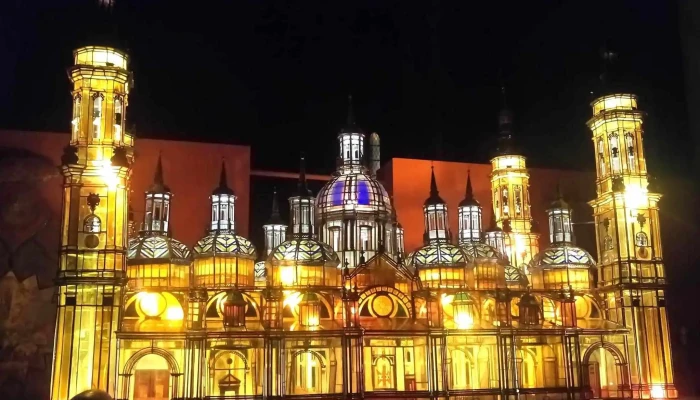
469 216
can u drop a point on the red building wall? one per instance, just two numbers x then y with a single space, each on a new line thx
408 180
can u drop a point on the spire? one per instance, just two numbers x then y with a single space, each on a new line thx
505 127
350 124
275 217
302 188
469 199
223 182
434 193
559 202
158 182
607 76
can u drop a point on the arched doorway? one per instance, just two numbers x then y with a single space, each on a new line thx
308 371
605 370
229 374
462 369
151 374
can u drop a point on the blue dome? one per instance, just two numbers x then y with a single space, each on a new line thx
353 191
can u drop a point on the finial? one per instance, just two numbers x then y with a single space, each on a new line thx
302 187
223 181
434 193
470 191
158 178
275 217
351 113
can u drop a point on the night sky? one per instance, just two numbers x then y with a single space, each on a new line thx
425 75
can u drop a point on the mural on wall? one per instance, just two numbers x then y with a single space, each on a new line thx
30 189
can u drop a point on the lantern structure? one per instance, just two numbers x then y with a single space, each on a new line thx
503 313
223 258
310 310
567 308
431 309
463 310
563 264
350 305
234 309
272 310
439 263
529 310
302 260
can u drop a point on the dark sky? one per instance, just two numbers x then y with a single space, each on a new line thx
425 75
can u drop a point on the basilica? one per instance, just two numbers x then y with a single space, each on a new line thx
334 306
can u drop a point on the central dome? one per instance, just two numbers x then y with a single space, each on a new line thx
353 192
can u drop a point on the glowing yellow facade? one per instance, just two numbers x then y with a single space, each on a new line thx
631 273
153 320
92 266
510 188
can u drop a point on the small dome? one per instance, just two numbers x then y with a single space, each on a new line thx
154 249
93 394
353 192
304 251
225 244
481 251
515 275
563 256
438 254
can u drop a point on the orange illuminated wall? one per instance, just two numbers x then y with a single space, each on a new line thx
190 169
408 180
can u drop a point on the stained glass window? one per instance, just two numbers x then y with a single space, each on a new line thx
362 193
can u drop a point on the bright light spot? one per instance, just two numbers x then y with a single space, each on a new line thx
174 313
287 275
657 392
446 299
109 175
464 320
312 321
291 299
635 197
435 276
151 304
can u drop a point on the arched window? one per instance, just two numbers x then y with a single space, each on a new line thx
504 194
118 117
76 116
92 224
614 153
601 157
97 114
641 239
629 144
608 242
518 200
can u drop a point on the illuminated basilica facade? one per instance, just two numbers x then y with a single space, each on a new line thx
337 308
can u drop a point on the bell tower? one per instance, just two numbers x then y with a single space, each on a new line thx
96 167
510 190
631 276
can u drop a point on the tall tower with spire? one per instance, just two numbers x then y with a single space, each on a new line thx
96 167
510 188
631 272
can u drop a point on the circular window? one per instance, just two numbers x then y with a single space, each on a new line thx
382 305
